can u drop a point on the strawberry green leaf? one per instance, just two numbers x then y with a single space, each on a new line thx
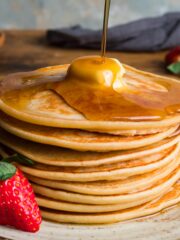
24 160
7 170
18 158
174 68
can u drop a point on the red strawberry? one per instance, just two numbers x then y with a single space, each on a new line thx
18 207
173 56
172 60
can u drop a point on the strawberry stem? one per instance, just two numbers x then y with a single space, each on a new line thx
7 170
18 158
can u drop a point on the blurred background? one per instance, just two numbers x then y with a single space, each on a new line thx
40 14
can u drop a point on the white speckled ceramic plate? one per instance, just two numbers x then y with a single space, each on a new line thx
164 226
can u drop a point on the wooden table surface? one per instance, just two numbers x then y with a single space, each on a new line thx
27 50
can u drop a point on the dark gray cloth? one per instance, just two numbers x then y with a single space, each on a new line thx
150 34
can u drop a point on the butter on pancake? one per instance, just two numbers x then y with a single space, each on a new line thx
104 138
155 106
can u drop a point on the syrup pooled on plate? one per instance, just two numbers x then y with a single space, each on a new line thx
102 89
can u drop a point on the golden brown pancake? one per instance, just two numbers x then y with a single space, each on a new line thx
44 107
148 194
170 198
77 139
138 173
132 132
56 156
144 161
127 185
104 173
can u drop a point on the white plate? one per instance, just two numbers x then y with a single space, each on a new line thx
164 226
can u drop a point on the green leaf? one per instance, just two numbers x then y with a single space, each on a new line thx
174 68
19 159
24 160
7 170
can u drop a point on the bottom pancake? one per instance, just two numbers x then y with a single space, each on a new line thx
169 199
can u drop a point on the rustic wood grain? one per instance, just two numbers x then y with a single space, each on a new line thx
2 39
27 50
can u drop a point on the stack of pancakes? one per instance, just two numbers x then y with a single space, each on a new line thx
91 171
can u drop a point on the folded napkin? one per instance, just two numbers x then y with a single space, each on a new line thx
149 34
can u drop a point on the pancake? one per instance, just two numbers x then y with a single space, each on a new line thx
160 188
129 164
77 139
159 158
71 174
170 198
84 208
132 132
56 156
47 109
128 185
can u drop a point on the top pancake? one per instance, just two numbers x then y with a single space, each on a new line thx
45 107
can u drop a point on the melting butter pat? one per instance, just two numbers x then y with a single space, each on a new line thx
97 71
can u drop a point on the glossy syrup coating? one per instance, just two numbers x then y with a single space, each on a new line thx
102 89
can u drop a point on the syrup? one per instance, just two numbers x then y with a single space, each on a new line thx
105 27
127 97
102 89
